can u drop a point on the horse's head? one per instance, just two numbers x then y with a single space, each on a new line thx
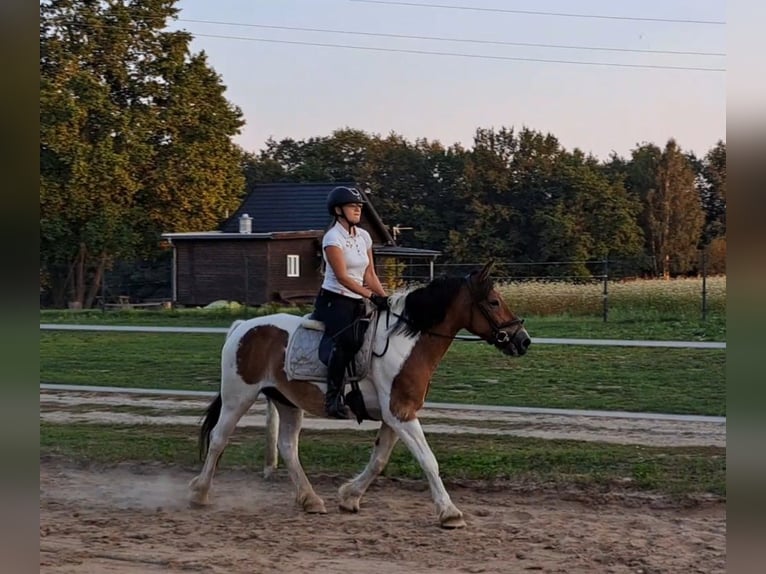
490 317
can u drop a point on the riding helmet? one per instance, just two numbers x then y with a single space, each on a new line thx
342 195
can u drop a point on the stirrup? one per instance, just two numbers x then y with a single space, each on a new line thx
336 408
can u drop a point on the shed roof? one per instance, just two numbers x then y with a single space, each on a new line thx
279 207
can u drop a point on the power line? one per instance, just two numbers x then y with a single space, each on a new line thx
427 52
462 40
541 13
462 55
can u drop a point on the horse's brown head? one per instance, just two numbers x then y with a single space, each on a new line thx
491 319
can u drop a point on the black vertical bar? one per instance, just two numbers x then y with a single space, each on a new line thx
103 292
247 285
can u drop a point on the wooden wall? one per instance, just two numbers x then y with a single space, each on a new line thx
304 287
249 271
208 270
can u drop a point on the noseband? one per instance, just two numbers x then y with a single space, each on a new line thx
500 337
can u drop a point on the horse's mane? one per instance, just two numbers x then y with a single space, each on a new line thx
422 308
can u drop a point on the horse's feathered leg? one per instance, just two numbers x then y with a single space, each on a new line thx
272 426
290 420
412 435
351 492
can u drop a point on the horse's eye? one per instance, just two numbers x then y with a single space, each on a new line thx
494 303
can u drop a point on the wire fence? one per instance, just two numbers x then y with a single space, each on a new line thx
601 274
150 284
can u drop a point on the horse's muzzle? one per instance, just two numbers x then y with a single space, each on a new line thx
516 344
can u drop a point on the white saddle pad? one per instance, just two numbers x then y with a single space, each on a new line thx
302 355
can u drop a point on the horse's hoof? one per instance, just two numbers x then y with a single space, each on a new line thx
349 499
314 506
315 509
351 506
451 520
452 523
199 502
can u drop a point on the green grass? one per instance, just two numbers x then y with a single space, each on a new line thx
690 381
587 377
617 378
672 471
622 324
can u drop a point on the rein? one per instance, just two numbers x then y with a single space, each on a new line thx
500 337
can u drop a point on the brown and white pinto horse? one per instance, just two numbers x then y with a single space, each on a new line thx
394 388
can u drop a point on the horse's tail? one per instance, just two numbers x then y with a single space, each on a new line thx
212 414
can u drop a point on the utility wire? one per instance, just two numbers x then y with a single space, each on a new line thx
462 55
427 52
541 13
444 39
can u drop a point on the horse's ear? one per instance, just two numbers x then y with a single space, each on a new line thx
484 273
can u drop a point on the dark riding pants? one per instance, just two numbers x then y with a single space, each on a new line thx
343 335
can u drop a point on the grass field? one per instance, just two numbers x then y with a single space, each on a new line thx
677 472
587 377
651 299
618 378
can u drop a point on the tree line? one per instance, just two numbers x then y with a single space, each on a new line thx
518 195
136 140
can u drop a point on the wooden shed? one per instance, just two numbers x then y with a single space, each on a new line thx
269 250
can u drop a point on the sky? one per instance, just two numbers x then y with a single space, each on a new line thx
294 90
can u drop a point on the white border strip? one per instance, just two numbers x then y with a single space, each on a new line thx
538 341
428 405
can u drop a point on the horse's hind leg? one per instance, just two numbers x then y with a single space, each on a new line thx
232 410
272 426
290 420
351 492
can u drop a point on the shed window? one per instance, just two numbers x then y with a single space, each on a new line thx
293 265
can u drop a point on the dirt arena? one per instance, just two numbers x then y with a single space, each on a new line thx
135 519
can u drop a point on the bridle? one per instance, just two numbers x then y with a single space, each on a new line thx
499 337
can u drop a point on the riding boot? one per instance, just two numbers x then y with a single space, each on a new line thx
334 404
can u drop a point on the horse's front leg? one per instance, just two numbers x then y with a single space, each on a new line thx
351 492
412 435
290 420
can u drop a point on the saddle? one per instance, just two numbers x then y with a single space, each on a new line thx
302 361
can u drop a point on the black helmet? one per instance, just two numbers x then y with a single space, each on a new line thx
343 195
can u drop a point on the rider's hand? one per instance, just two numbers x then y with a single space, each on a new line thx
380 301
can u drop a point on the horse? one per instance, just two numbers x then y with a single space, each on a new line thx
421 324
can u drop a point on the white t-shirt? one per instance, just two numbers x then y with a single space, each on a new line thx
354 249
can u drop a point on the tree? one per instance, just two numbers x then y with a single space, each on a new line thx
589 217
529 200
672 216
135 139
712 189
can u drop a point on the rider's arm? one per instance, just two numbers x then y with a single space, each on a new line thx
371 279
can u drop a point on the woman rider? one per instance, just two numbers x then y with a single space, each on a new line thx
349 278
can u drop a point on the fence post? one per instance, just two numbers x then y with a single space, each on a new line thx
704 283
103 292
606 290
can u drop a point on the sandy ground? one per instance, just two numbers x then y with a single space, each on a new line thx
135 519
116 409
